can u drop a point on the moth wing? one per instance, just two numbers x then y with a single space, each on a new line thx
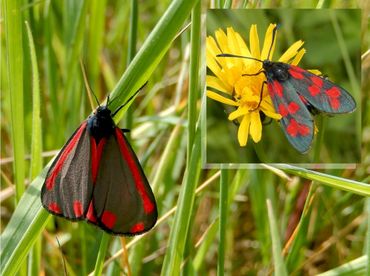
123 201
297 122
321 93
67 189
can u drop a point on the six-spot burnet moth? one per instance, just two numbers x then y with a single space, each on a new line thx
97 177
297 95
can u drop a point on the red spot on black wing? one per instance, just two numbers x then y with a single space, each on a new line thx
295 129
321 93
90 215
296 121
275 89
78 208
122 196
282 109
296 72
54 208
68 183
96 152
137 228
108 219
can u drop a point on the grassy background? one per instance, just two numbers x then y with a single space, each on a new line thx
211 221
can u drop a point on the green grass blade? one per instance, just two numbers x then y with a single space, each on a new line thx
279 265
14 52
96 40
329 180
174 253
131 52
101 254
223 210
23 229
152 51
356 267
206 244
194 74
300 239
36 144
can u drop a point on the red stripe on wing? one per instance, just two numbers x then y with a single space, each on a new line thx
96 153
58 166
148 204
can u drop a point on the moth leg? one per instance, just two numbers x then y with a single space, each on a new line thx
260 101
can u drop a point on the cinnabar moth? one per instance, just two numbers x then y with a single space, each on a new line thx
297 95
97 177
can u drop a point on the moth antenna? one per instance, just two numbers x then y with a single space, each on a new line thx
115 112
237 56
87 85
273 40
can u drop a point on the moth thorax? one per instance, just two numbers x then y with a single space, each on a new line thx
101 124
276 70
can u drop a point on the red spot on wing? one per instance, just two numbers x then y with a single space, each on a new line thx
91 214
317 81
294 129
334 103
96 153
283 111
297 74
50 181
147 203
293 107
54 207
275 88
108 219
333 94
314 90
138 227
77 208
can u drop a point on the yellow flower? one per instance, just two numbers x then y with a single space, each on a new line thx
244 92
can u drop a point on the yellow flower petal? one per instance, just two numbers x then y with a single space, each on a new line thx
315 71
241 111
256 126
222 41
244 51
234 47
254 42
298 57
219 98
217 84
291 52
269 110
243 131
211 51
267 43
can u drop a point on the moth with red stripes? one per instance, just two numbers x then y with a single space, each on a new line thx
297 95
97 177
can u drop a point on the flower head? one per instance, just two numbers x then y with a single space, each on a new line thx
248 94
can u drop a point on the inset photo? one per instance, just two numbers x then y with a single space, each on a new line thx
283 86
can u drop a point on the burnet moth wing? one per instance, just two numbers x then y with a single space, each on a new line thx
97 177
297 95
